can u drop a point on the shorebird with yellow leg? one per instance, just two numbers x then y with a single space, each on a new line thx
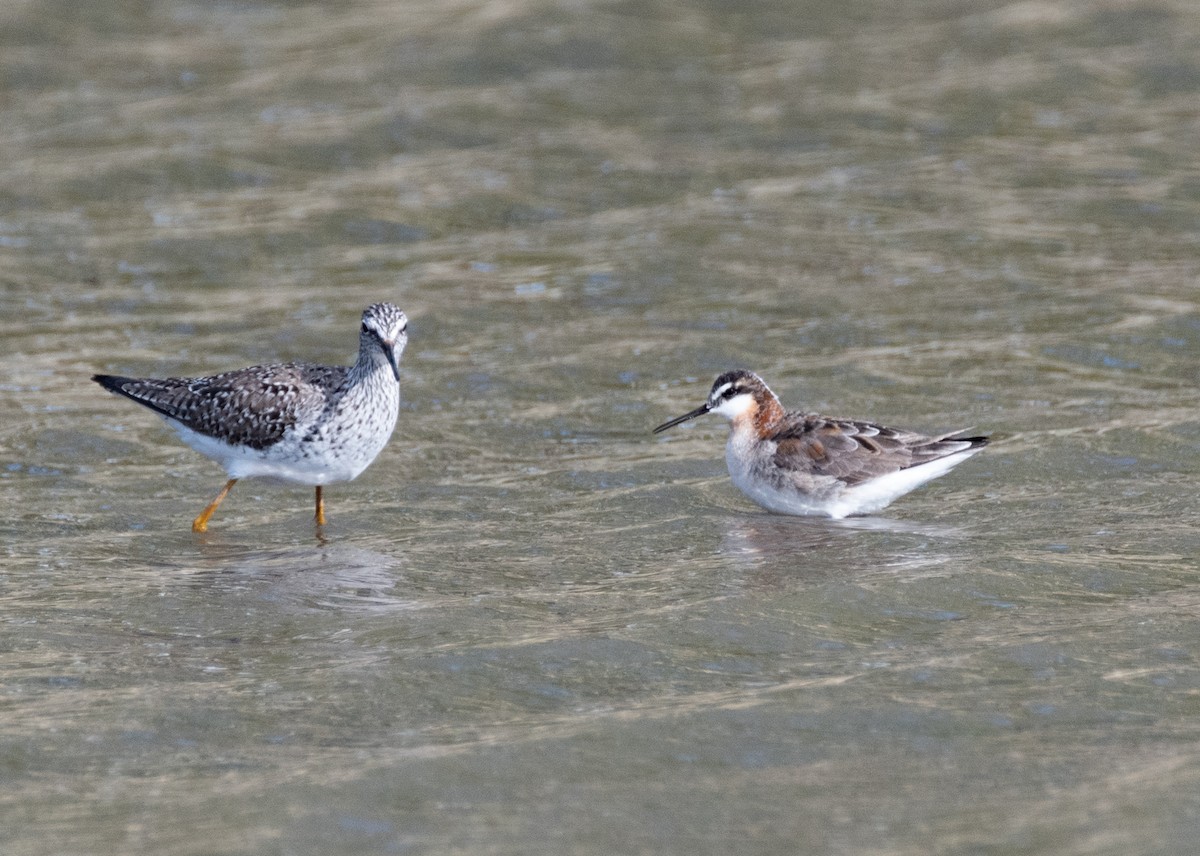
293 422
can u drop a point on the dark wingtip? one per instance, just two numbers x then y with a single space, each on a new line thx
976 442
112 383
117 384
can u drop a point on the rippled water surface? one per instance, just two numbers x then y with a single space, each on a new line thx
532 626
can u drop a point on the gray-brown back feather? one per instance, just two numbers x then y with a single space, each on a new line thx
854 451
251 407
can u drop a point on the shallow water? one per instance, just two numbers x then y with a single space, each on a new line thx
532 626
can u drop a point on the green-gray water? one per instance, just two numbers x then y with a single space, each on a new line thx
533 627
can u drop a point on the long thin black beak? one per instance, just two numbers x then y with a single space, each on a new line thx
699 411
389 351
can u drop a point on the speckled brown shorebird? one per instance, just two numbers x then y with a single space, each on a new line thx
298 423
802 463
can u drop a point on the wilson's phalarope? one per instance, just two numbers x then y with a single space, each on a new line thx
802 463
299 423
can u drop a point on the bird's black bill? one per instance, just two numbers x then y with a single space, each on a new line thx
699 411
390 352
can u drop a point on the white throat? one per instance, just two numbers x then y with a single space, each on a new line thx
736 407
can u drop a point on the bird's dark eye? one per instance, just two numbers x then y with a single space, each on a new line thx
730 393
365 328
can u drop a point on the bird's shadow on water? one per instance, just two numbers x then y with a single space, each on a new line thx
326 575
816 547
901 527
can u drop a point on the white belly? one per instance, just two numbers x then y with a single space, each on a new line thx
754 474
333 452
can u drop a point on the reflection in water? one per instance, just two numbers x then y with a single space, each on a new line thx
754 538
340 577
905 527
757 539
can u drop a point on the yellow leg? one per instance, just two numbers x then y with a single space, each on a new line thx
200 524
320 507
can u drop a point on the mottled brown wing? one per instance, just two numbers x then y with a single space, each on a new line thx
252 407
854 452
